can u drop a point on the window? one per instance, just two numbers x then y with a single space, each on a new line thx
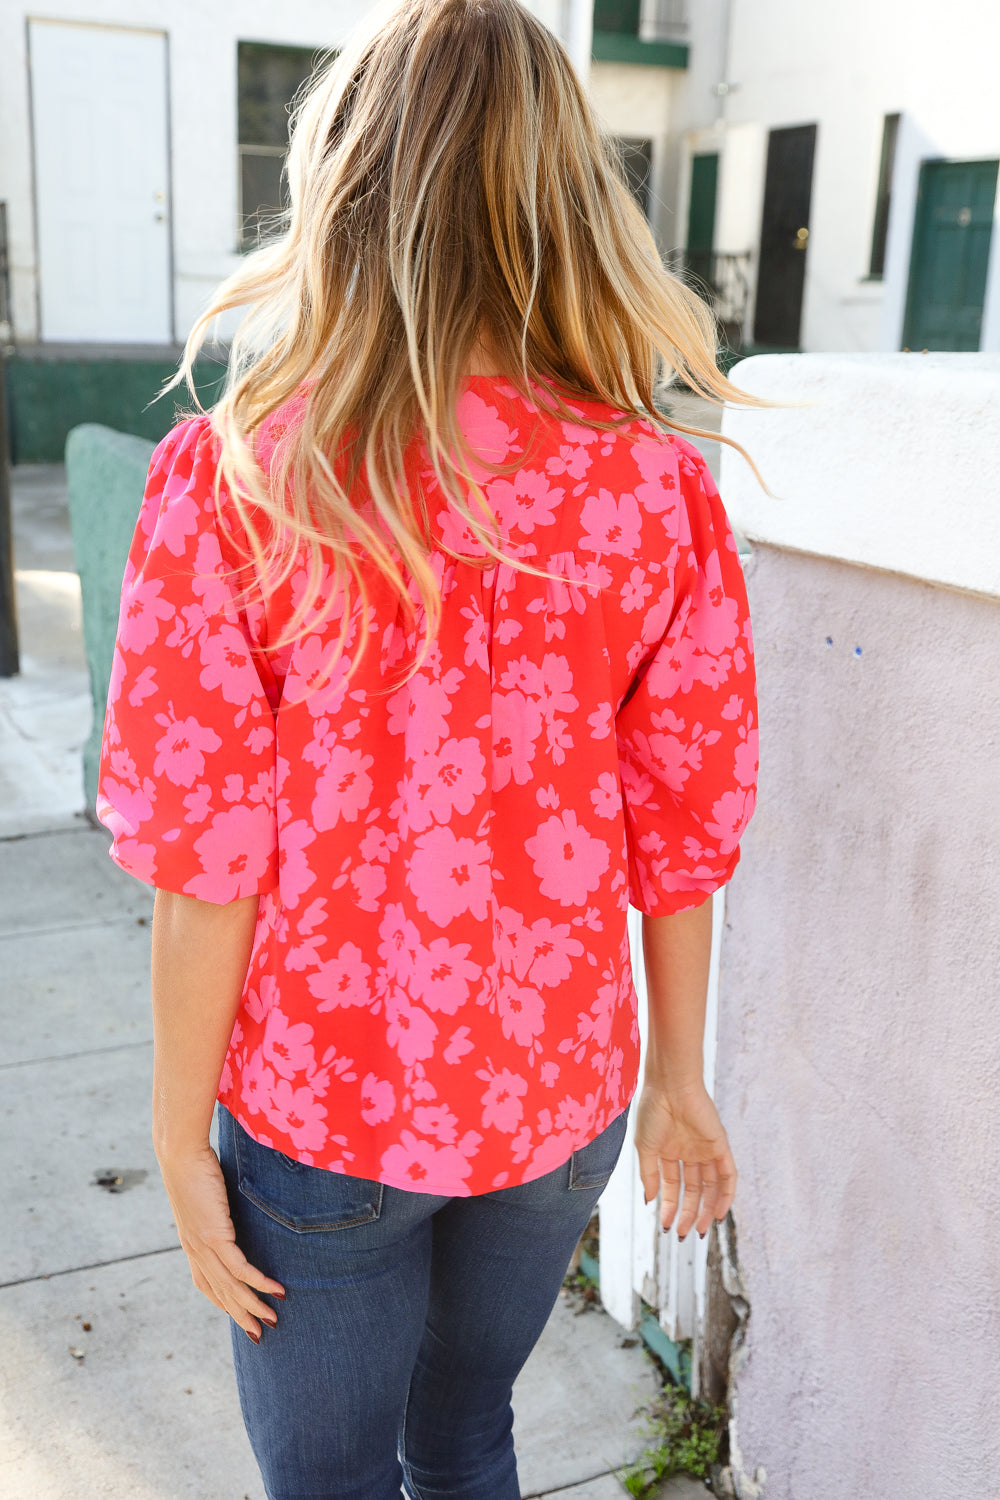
620 16
268 77
890 130
637 159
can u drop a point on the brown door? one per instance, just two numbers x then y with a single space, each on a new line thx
784 236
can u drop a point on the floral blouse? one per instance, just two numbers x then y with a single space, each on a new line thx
440 996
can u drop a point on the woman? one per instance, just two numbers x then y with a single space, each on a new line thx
433 655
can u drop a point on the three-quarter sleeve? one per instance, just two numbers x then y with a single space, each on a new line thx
187 779
687 728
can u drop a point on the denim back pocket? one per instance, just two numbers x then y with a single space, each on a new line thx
306 1199
592 1165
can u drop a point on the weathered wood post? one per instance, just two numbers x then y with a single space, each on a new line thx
9 658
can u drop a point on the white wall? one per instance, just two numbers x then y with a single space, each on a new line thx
857 1059
845 67
202 60
201 39
636 102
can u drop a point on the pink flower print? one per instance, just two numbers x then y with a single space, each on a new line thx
546 952
730 815
378 1100
574 1116
636 590
745 760
410 1030
458 1045
227 665
400 939
144 687
477 638
369 882
316 676
517 723
343 789
669 758
235 852
448 781
198 804
552 1151
568 861
450 875
287 1046
436 1120
295 875
611 525
555 679
419 710
656 461
502 1106
442 974
523 676
488 434
548 1073
522 1012
297 1113
342 981
572 460
141 613
718 612
177 520
600 721
524 501
606 796
412 1160
181 751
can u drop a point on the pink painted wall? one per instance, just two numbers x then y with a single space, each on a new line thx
858 1065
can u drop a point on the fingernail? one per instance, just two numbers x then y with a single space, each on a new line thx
254 1337
280 1296
271 1322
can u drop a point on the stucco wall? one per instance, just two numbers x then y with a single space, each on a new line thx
858 1069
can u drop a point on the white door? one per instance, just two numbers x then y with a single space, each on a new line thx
99 113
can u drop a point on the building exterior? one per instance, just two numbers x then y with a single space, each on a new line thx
141 145
845 158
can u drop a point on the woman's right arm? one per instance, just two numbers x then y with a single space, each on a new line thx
201 952
677 1124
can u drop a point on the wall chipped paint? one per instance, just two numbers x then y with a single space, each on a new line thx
858 1071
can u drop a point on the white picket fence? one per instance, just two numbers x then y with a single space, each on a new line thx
639 1261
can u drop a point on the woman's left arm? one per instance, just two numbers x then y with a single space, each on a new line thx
201 952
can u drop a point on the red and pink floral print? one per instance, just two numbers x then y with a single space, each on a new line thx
440 996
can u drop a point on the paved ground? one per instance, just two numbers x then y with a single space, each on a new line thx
115 1378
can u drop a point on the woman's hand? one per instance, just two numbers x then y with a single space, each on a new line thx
678 1125
197 1192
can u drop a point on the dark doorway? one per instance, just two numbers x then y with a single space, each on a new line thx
637 159
951 247
784 236
701 215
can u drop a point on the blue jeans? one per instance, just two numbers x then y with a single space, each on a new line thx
408 1317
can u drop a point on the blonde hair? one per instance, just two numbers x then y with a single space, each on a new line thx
447 179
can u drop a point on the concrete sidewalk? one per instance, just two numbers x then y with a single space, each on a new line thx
115 1377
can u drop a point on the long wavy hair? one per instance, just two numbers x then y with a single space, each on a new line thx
450 193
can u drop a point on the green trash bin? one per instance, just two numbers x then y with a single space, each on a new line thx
106 476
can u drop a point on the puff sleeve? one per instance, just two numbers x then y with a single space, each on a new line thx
687 728
187 778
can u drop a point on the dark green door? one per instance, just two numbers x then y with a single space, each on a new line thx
951 247
701 214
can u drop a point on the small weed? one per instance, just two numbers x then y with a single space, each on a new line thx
685 1436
